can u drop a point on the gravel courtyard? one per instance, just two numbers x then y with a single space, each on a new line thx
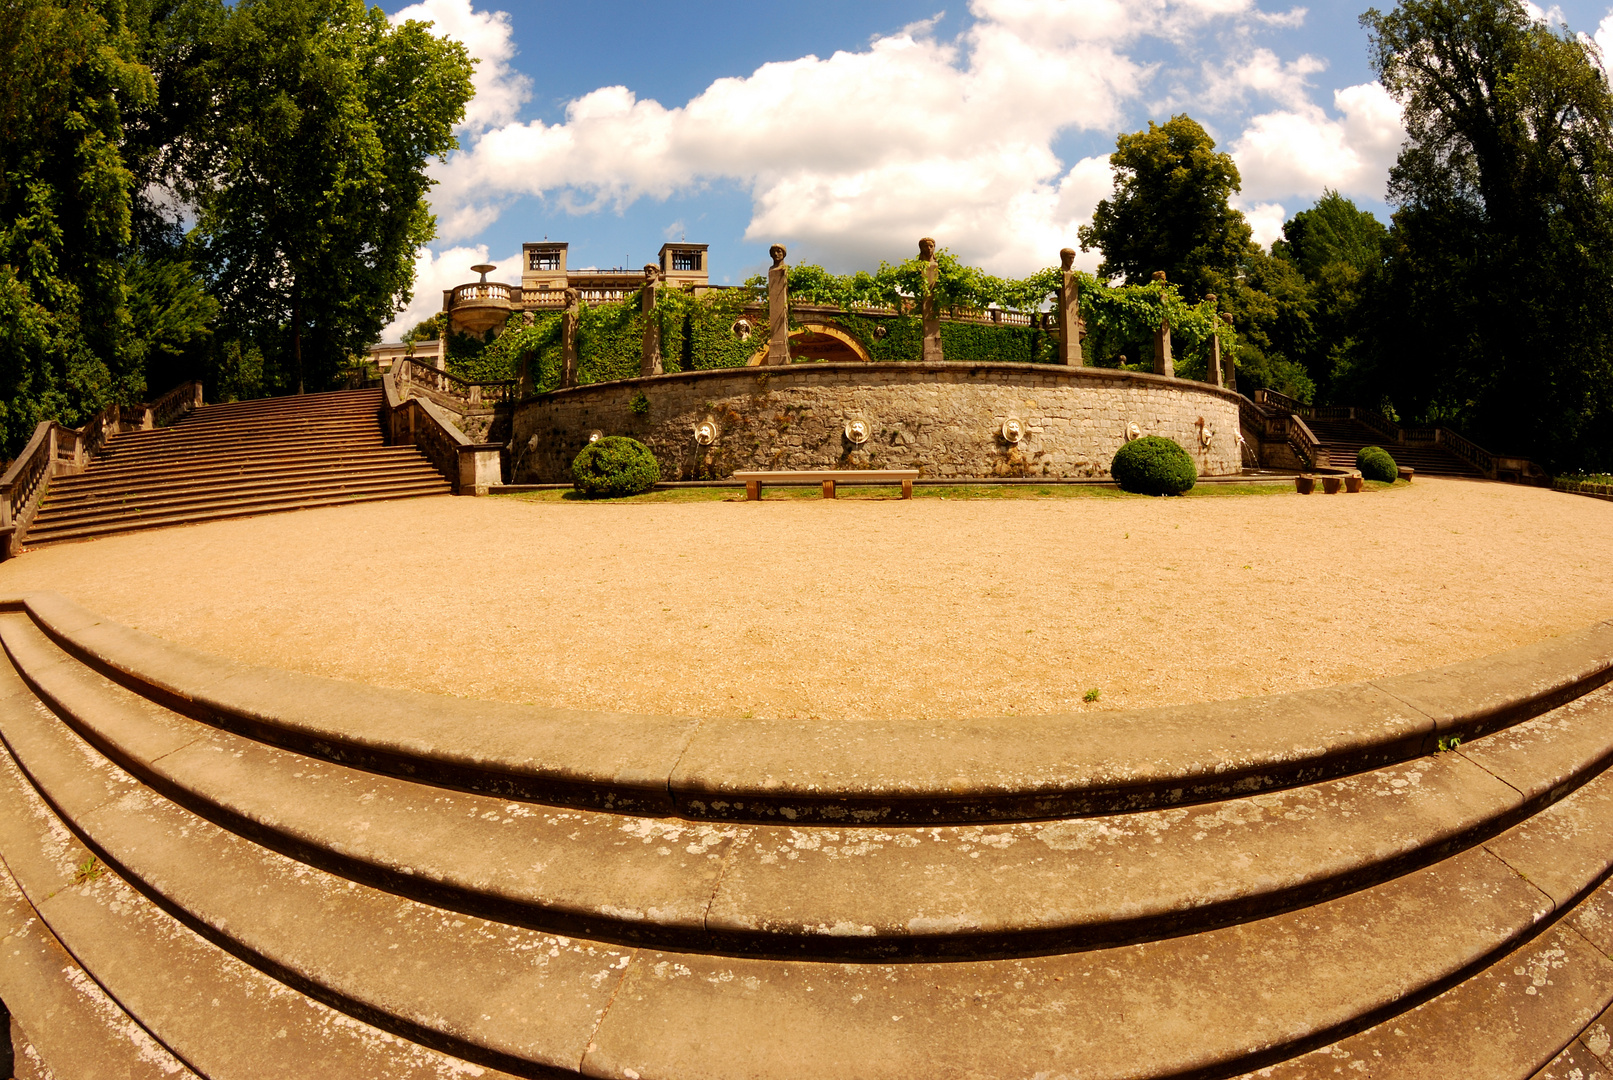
809 608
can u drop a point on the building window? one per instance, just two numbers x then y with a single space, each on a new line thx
686 260
545 260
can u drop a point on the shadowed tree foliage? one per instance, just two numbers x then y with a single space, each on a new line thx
1497 309
66 70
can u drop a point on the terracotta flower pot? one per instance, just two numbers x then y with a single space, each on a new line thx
1352 484
1332 484
1304 484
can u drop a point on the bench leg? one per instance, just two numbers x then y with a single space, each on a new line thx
753 491
828 489
907 489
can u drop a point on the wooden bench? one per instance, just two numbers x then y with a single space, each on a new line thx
754 481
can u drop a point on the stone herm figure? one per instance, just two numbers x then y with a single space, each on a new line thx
778 308
1212 374
651 364
1069 311
568 338
1231 364
931 350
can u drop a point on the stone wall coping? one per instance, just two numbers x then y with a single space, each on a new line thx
784 372
851 772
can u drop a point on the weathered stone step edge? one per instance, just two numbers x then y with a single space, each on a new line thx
865 773
112 477
295 403
327 939
256 448
860 902
1421 935
75 1028
234 494
254 425
237 508
1160 1009
241 477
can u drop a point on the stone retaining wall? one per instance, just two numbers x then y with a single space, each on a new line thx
944 419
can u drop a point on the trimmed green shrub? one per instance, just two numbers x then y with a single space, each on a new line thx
1153 465
615 466
1375 463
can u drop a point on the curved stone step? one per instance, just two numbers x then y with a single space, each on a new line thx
224 1018
868 773
328 482
68 1019
832 891
106 476
1158 1008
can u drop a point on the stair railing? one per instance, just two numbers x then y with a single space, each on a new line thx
470 467
56 450
411 369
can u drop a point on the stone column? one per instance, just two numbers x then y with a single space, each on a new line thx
523 385
1212 374
652 322
1163 364
778 308
1069 306
1231 365
568 338
931 352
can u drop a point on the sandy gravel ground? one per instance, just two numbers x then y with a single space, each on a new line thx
864 608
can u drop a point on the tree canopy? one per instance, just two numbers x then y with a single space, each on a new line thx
1497 311
190 188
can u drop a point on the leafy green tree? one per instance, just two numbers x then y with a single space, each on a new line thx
1339 248
1170 210
66 69
1497 311
309 178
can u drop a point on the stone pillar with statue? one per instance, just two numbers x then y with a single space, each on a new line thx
1069 311
1163 363
778 308
568 338
931 350
651 364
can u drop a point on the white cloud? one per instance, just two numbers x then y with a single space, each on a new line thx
1266 222
1264 73
500 89
1303 150
1604 39
436 271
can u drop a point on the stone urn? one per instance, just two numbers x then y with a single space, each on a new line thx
1304 484
1332 484
1353 484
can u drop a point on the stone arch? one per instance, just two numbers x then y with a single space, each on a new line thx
819 341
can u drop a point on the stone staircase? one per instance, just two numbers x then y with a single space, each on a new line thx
1344 438
226 871
237 460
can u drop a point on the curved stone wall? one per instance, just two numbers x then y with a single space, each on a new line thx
944 419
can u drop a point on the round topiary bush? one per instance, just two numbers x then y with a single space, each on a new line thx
1153 465
1376 464
615 466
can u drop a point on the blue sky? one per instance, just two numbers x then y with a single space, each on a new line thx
848 130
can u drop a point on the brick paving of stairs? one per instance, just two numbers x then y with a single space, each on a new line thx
236 460
1345 438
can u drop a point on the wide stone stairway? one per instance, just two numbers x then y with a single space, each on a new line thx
1344 439
219 870
236 460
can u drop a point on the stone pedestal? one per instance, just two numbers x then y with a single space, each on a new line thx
778 309
1069 312
568 338
1213 376
1231 365
652 324
1163 363
931 351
